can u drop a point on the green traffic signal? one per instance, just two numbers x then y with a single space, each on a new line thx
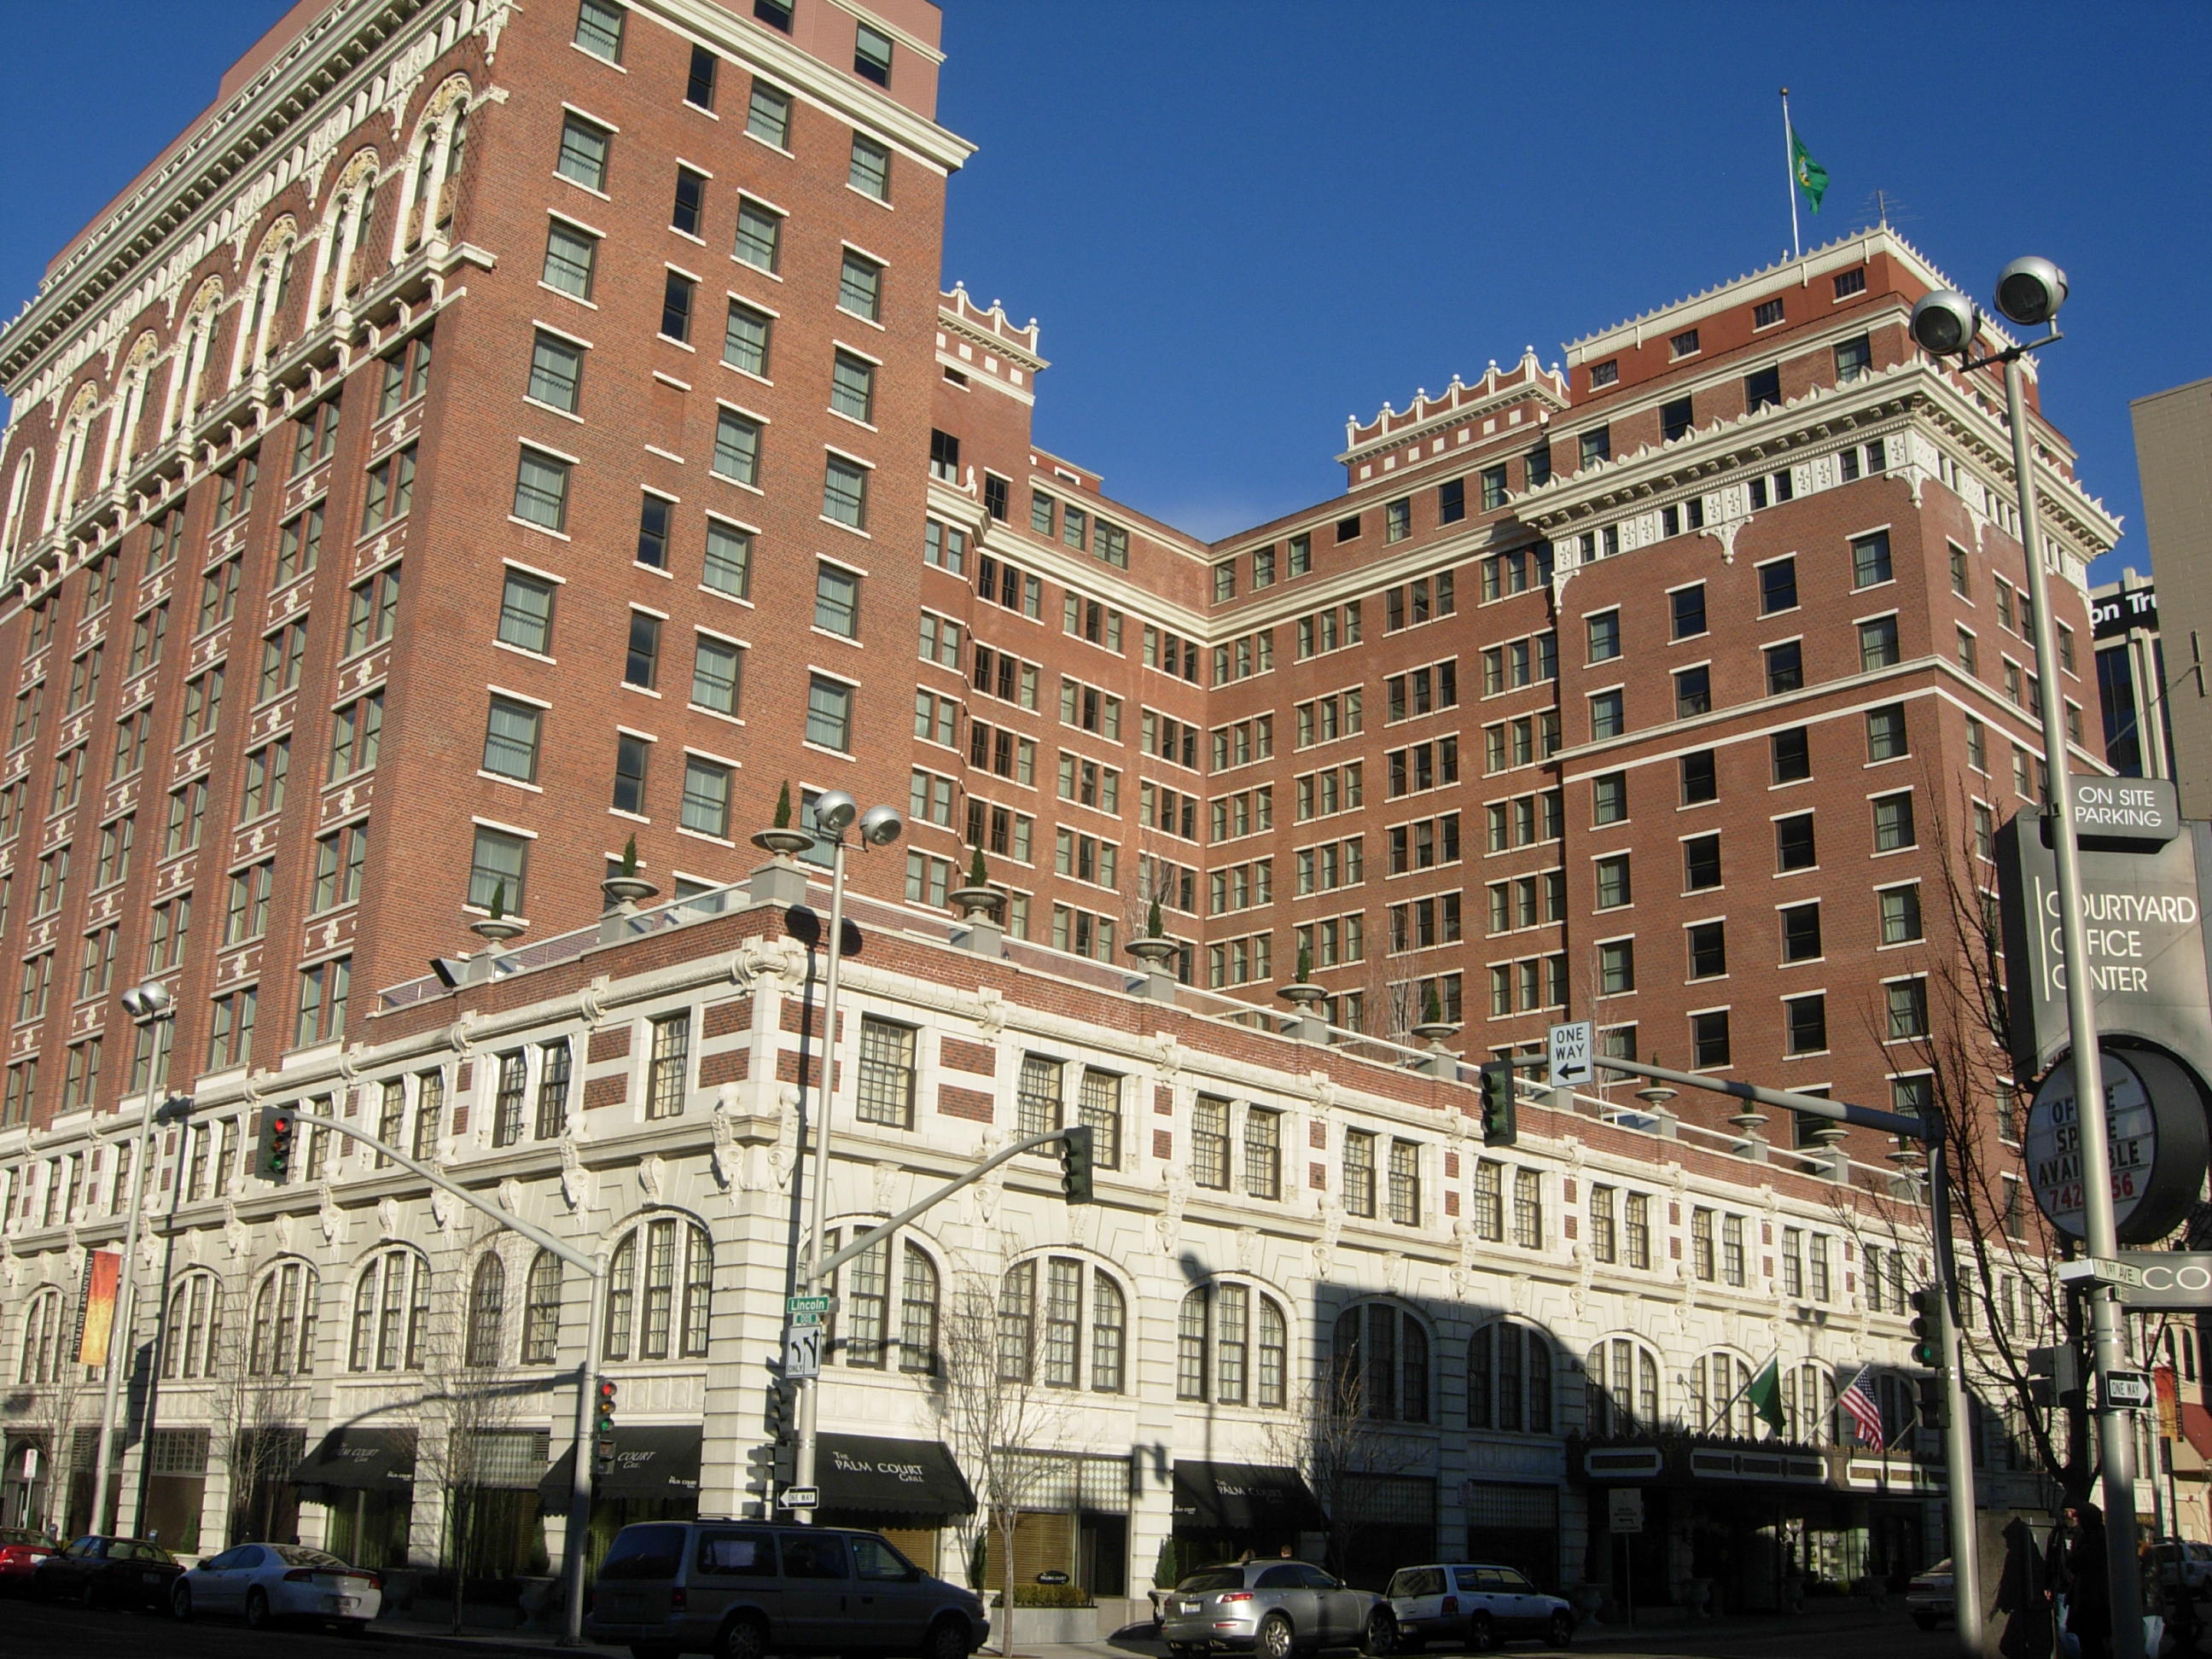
603 1417
1078 1156
1927 1328
1500 1123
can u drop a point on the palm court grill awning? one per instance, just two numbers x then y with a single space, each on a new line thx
650 1460
1243 1498
359 1459
867 1475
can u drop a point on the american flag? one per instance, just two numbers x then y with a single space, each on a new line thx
1864 1411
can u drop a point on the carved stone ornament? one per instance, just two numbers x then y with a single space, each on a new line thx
441 1207
781 1160
576 1180
329 1218
650 1169
1169 1222
887 1170
236 1234
1322 1087
388 1216
1324 1248
990 1014
1167 1055
510 1195
726 1151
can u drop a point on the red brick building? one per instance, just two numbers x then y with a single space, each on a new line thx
1647 691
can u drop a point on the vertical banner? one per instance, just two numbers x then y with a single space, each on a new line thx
2169 1403
95 1306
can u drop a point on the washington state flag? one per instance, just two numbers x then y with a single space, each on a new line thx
1812 177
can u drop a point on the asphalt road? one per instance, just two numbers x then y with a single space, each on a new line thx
33 1630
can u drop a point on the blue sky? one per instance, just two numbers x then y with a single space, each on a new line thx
1242 221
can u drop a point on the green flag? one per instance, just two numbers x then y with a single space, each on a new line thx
1812 177
1766 1394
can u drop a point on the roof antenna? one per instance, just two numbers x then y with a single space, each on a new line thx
1881 200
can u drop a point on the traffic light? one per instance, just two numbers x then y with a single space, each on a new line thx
777 1416
1931 1402
272 1152
1077 1156
1928 1327
2055 1376
1500 1124
603 1424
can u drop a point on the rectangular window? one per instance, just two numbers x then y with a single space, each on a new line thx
541 490
1806 1019
632 756
1878 647
699 85
885 1089
676 307
706 798
1693 692
768 116
1209 1143
1607 719
1853 359
845 492
557 372
511 734
760 234
830 714
1893 823
1609 799
1792 754
1762 389
642 660
737 448
571 256
496 868
1777 586
837 601
669 1069
1793 843
1885 733
859 286
871 55
852 388
688 210
1785 667
1359 1172
870 170
599 28
1870 562
1701 862
715 673
1708 1039
1800 932
1604 636
583 156
746 339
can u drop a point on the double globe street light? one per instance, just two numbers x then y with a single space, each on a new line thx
1947 324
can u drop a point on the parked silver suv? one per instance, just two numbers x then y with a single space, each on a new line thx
1478 1604
1273 1608
741 1590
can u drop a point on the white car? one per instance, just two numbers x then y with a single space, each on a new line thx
1478 1604
264 1583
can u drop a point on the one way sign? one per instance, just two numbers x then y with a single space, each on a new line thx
1568 1054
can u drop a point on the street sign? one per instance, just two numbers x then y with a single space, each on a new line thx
805 1309
2126 1388
799 1497
2099 1270
1624 1510
802 1351
1568 1054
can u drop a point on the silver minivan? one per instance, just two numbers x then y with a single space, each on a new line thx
743 1589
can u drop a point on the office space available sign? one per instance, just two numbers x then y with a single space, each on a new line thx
2156 1137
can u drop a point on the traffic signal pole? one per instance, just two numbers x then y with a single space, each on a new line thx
275 1140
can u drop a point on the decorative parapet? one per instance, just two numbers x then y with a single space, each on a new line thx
1458 404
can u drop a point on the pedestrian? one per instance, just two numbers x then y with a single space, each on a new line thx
2089 1611
2021 1596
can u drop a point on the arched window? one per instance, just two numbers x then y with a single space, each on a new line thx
284 1331
190 1345
1050 1332
659 1284
541 1310
1509 1379
861 1332
1720 1397
391 1306
1620 1380
457 139
1808 1404
1232 1346
19 500
487 1311
41 1359
1381 1365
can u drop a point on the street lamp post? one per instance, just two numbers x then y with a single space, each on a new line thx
2030 291
149 1004
879 826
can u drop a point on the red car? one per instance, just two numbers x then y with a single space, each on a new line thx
20 1552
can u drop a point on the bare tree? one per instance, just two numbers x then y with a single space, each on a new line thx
997 1415
53 1413
257 1409
1333 1437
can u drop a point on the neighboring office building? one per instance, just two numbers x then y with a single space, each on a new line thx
2131 684
2173 454
1642 691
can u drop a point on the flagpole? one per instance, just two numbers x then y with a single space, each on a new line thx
1720 1415
1789 172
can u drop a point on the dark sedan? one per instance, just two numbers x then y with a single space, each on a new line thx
96 1572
